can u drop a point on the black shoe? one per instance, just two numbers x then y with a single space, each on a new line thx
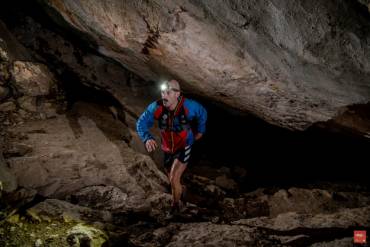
173 211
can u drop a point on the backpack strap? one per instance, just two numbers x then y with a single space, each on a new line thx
162 114
182 113
159 111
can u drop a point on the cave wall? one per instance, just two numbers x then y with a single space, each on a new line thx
291 63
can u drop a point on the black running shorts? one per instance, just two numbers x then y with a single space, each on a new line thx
182 155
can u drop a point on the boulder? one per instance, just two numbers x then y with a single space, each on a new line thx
83 154
53 209
225 183
28 103
82 235
10 48
8 106
290 222
8 181
208 234
4 92
314 201
32 79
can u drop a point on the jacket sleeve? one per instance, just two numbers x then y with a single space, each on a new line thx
145 122
200 114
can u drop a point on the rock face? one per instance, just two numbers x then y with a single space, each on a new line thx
32 79
76 64
27 87
256 56
61 210
8 182
290 229
3 93
78 154
292 221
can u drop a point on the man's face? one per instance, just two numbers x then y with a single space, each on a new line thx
170 97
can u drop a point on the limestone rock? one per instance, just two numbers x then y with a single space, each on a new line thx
85 150
32 79
4 73
82 235
313 201
10 48
304 229
203 234
20 197
47 108
92 70
256 56
225 183
344 219
101 197
344 242
3 53
8 182
244 208
53 209
8 107
4 92
17 150
27 103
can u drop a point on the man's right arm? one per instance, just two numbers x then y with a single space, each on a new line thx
145 122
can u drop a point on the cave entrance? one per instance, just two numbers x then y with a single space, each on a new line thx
258 154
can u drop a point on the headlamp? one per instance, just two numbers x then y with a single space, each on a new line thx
164 86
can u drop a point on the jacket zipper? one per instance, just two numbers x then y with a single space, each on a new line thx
172 116
172 145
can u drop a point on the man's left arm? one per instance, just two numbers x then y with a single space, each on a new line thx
201 116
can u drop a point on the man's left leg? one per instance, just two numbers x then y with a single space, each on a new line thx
176 172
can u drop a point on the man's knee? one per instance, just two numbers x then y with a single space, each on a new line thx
172 179
177 169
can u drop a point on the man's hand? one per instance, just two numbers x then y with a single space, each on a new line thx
151 145
198 136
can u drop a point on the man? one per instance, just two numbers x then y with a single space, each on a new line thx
174 114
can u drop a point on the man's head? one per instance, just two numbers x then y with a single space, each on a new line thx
170 92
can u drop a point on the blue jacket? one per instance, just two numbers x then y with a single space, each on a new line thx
176 132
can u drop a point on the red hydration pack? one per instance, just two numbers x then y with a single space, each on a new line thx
174 126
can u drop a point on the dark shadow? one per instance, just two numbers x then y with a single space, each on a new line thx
273 156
